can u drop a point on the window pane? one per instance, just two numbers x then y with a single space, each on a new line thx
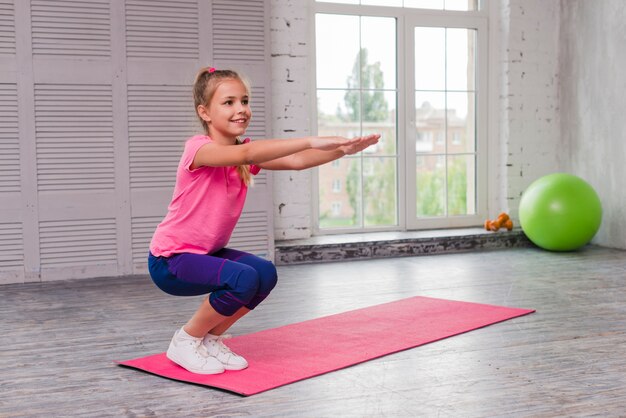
430 122
424 4
461 185
430 185
465 5
340 208
336 113
378 52
359 99
430 59
389 3
461 131
336 49
379 191
379 117
460 59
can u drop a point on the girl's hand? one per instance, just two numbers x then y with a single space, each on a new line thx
362 143
330 143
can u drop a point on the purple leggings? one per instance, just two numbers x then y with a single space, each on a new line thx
233 278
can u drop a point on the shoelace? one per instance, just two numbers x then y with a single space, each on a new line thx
200 349
220 343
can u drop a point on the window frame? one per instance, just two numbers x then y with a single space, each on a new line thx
479 23
406 20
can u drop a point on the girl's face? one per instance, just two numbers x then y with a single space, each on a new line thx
229 111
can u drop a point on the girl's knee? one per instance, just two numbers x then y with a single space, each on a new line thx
268 276
247 284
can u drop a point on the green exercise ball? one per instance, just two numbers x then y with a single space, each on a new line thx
560 212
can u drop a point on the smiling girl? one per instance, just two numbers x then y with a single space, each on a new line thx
188 254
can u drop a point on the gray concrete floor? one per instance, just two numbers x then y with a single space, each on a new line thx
61 340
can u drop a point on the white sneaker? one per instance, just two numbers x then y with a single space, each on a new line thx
189 353
215 347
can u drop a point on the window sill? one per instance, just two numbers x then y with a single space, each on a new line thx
329 248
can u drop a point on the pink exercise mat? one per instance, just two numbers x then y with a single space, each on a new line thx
284 355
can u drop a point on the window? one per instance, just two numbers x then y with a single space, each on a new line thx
337 186
436 107
336 209
456 138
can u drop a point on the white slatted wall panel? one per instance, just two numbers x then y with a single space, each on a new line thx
162 29
7 27
71 27
9 140
77 242
11 237
160 118
142 230
93 123
250 234
74 125
11 222
75 151
239 30
11 246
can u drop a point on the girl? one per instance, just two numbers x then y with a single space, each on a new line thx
188 254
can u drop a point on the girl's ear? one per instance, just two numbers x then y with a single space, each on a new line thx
203 112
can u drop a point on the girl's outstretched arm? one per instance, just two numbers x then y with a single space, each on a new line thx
258 152
314 157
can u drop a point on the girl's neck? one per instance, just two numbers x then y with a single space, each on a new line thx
223 140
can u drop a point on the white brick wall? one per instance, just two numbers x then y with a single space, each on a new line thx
529 100
527 66
291 61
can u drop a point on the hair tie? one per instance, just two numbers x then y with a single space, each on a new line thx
211 69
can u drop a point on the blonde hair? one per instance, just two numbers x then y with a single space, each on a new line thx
207 81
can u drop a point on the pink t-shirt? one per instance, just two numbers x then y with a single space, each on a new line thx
205 207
